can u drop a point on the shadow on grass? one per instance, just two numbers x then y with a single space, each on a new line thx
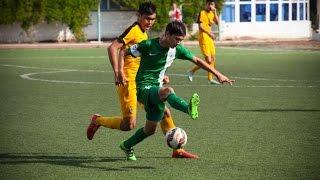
278 110
65 160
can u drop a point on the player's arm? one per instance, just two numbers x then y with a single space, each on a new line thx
203 30
201 63
216 19
201 26
120 79
114 58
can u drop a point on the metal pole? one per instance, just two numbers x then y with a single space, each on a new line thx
99 23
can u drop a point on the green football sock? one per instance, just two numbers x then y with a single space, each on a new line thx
135 139
178 103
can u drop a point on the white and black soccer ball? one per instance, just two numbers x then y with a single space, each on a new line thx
176 138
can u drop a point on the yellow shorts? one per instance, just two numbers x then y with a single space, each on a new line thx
207 47
128 99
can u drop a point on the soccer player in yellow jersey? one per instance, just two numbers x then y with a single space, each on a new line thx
127 94
206 19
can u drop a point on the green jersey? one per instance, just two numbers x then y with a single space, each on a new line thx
155 60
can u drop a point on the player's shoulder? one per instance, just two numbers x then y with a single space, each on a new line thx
201 16
149 42
203 12
137 27
134 28
181 48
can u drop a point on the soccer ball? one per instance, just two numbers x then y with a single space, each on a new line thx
176 138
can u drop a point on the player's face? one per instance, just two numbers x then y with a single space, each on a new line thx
147 21
211 6
174 40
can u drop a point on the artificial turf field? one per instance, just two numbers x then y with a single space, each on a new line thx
266 126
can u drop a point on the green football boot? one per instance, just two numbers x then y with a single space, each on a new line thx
129 152
193 106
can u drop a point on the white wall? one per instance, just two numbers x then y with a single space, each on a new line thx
112 24
266 30
40 32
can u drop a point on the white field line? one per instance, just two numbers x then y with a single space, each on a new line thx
255 79
271 50
250 50
55 57
55 70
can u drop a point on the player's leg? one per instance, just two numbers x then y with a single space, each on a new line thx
141 134
167 124
191 108
206 50
211 59
128 102
196 68
154 113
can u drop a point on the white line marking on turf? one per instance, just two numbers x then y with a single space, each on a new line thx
56 57
55 70
281 51
249 86
254 79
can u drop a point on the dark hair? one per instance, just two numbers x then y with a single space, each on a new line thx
176 28
147 8
210 1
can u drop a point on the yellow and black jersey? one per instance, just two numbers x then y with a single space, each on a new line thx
205 20
132 35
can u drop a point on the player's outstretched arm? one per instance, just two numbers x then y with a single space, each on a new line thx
222 78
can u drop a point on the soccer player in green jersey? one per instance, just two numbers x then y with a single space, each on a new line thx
156 56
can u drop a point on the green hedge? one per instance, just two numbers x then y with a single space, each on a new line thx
74 13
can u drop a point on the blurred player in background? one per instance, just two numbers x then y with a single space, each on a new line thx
206 19
175 13
127 94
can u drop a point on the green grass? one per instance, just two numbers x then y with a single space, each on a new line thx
266 126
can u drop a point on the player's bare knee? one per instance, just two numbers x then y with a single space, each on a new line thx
164 92
167 112
208 59
149 131
128 123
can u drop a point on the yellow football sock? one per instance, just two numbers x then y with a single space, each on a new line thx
210 75
167 124
110 122
194 69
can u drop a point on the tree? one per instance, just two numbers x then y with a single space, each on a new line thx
27 12
74 13
190 9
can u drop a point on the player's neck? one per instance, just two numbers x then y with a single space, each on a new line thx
163 42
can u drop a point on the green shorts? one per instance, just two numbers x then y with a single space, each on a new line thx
153 106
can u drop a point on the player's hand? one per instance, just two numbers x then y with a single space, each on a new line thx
223 79
212 35
166 79
120 79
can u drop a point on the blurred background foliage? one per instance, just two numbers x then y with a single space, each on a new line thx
74 13
190 9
